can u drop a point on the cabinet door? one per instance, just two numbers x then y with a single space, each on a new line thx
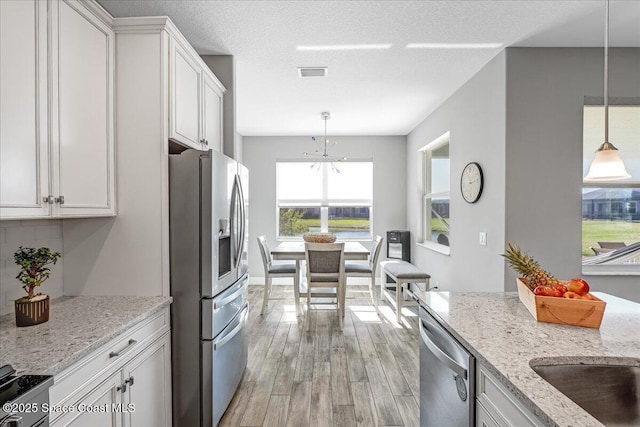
106 395
24 169
184 123
483 418
212 115
82 112
149 386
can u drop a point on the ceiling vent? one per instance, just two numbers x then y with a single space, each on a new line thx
313 71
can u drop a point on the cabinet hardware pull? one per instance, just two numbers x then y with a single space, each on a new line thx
129 346
12 420
59 200
48 199
129 381
122 388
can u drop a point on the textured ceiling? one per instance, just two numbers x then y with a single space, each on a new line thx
376 85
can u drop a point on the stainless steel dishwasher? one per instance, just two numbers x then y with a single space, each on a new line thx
447 377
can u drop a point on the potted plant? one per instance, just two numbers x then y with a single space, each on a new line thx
34 308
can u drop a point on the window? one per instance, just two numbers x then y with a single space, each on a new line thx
610 216
436 215
325 197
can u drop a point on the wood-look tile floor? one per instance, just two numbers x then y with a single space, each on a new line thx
366 375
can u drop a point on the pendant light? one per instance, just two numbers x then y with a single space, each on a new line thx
323 149
607 165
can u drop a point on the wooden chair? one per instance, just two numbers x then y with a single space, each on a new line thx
368 269
325 270
284 269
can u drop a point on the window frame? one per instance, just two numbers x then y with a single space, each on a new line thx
324 203
425 156
609 270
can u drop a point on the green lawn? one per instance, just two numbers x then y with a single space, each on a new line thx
338 224
438 226
608 231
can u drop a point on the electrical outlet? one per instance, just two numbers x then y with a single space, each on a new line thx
483 238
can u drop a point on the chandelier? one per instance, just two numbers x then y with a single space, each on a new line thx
323 147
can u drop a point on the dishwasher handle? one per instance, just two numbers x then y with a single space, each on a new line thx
440 354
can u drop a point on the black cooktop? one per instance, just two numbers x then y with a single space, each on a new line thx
12 386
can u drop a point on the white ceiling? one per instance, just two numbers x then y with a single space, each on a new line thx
383 91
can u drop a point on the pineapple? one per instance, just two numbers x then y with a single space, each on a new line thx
529 268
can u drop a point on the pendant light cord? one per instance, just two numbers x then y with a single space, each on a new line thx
325 137
606 73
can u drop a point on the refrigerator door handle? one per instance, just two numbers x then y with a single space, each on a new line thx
225 339
221 302
236 199
243 218
234 225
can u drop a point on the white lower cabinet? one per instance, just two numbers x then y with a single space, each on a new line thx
497 406
483 419
106 395
125 383
148 394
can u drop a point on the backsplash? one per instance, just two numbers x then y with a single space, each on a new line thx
30 234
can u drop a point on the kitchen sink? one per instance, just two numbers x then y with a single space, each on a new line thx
609 391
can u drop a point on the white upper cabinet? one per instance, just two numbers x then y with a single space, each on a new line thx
24 157
184 126
195 104
212 115
82 125
56 110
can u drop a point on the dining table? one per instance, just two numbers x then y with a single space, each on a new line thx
294 251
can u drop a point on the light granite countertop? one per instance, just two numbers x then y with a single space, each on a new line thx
76 327
499 331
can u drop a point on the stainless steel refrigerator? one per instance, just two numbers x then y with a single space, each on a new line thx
209 245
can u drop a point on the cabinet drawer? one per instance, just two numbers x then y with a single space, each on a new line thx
108 358
500 402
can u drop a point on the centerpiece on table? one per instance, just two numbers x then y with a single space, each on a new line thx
567 302
33 309
319 237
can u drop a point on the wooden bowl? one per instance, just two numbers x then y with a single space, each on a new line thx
565 311
319 237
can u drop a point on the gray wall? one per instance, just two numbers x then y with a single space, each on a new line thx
475 117
545 96
260 154
520 117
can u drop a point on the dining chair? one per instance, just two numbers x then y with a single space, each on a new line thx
368 269
325 270
271 270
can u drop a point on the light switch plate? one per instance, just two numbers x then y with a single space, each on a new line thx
483 238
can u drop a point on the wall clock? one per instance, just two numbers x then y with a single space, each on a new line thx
471 182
